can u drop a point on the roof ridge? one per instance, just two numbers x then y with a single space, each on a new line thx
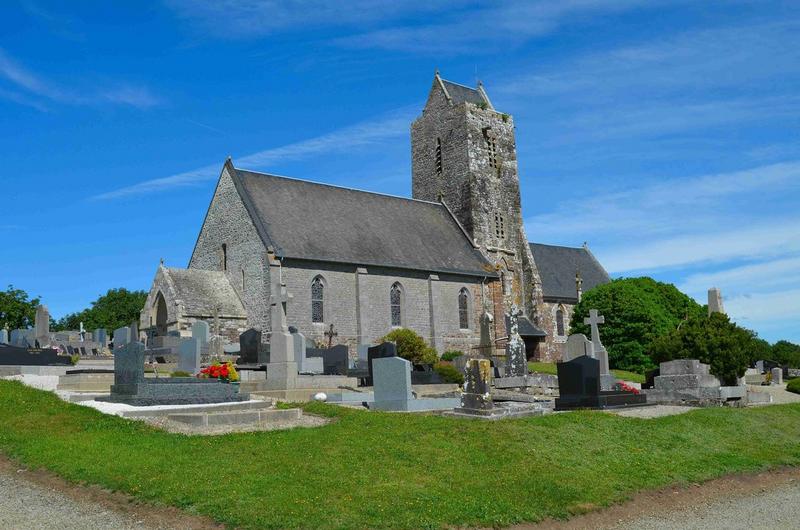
459 84
556 246
337 186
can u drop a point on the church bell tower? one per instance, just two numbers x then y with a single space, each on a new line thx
463 153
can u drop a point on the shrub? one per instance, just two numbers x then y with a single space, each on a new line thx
786 352
637 311
449 355
714 340
794 385
449 373
74 359
411 346
180 373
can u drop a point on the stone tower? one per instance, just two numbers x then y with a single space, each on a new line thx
463 153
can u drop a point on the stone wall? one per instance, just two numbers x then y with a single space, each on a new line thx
227 222
356 302
477 186
554 346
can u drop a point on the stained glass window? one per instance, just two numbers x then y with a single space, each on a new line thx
395 302
463 309
317 300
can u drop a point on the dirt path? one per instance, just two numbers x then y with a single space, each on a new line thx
41 500
739 502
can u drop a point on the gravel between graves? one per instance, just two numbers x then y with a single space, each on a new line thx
655 411
306 420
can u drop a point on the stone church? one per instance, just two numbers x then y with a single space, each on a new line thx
448 262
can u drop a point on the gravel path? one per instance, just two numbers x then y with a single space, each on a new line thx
24 505
774 508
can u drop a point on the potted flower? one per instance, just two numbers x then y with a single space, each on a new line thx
622 386
224 372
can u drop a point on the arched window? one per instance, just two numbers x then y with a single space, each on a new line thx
463 308
396 304
317 300
224 257
560 322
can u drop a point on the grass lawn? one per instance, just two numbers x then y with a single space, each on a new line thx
550 368
369 470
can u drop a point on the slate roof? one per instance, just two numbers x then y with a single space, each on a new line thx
312 221
525 327
201 291
460 93
558 265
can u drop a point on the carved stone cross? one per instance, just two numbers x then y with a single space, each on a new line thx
593 320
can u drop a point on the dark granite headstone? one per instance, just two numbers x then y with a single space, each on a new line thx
387 349
335 361
129 364
579 388
15 355
249 345
424 374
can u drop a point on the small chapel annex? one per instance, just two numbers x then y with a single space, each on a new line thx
448 262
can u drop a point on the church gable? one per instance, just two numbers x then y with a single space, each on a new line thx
558 267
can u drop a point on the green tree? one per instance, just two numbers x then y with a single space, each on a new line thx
637 311
411 346
714 340
16 310
785 352
115 309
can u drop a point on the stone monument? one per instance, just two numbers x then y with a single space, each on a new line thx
607 380
42 326
189 350
122 337
4 336
392 388
282 367
516 359
577 346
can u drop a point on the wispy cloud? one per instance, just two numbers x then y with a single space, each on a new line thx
387 127
502 24
36 86
747 278
237 19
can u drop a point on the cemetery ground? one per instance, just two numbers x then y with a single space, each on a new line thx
373 469
550 368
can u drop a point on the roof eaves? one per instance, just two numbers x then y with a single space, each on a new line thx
462 272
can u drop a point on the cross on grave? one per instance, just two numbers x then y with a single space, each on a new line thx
82 333
330 334
593 320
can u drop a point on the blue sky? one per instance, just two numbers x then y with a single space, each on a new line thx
664 133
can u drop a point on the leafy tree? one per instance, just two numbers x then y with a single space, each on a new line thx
637 311
714 340
16 310
786 352
411 346
116 308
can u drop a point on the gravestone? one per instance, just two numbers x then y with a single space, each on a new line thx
607 380
131 387
17 355
335 361
777 376
42 325
578 346
579 386
200 330
251 351
134 331
101 337
122 337
282 368
486 346
3 336
689 382
392 388
362 362
16 337
189 355
715 301
305 363
129 364
387 349
516 359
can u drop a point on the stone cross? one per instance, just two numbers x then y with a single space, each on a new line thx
82 333
42 325
593 320
278 300
330 334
